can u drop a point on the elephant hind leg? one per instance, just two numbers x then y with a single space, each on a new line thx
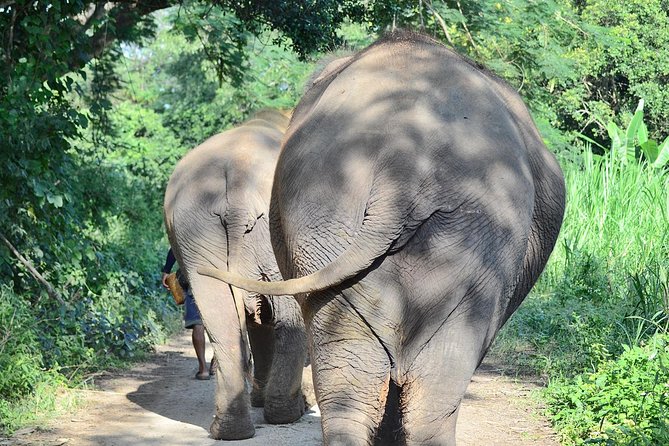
437 381
351 372
284 399
391 430
352 400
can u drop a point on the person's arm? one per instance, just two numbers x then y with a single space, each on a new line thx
167 268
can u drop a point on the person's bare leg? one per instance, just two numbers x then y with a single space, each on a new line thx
199 345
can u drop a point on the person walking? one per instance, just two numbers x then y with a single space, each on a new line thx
192 319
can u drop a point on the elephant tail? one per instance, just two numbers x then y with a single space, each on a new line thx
346 266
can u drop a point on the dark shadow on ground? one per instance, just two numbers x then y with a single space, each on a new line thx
173 392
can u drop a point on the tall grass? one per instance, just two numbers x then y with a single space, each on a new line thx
618 218
616 211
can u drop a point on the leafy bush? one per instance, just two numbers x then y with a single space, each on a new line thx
20 350
625 401
95 331
88 217
549 337
22 364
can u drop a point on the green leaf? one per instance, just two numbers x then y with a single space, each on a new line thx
642 134
590 140
600 381
631 133
90 254
617 140
649 149
662 154
56 200
38 189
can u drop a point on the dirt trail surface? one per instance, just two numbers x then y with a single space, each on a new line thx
160 403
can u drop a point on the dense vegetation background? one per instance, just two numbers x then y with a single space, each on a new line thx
99 100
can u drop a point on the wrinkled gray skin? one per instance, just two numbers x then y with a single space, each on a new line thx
414 206
216 213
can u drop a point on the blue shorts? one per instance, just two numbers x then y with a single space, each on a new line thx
191 312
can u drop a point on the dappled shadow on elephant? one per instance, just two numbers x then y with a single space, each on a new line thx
216 214
414 205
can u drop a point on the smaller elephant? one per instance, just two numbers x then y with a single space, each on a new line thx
216 208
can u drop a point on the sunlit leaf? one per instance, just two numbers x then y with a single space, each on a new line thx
663 154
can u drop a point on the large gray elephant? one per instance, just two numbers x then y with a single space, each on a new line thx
414 206
216 213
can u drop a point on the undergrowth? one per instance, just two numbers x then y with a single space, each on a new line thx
47 349
623 402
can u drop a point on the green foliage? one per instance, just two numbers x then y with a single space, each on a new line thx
221 37
585 317
46 402
94 115
20 351
72 214
628 60
601 192
308 26
624 402
86 156
122 322
578 64
171 85
629 145
22 364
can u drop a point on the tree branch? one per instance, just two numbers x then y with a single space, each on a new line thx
123 14
10 38
51 291
95 11
464 25
441 21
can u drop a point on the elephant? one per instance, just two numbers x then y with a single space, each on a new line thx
216 213
414 206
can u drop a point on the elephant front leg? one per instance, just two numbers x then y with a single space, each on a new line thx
284 400
261 337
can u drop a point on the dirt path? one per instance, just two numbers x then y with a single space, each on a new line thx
158 403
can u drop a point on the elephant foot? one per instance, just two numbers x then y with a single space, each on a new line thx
232 428
282 411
